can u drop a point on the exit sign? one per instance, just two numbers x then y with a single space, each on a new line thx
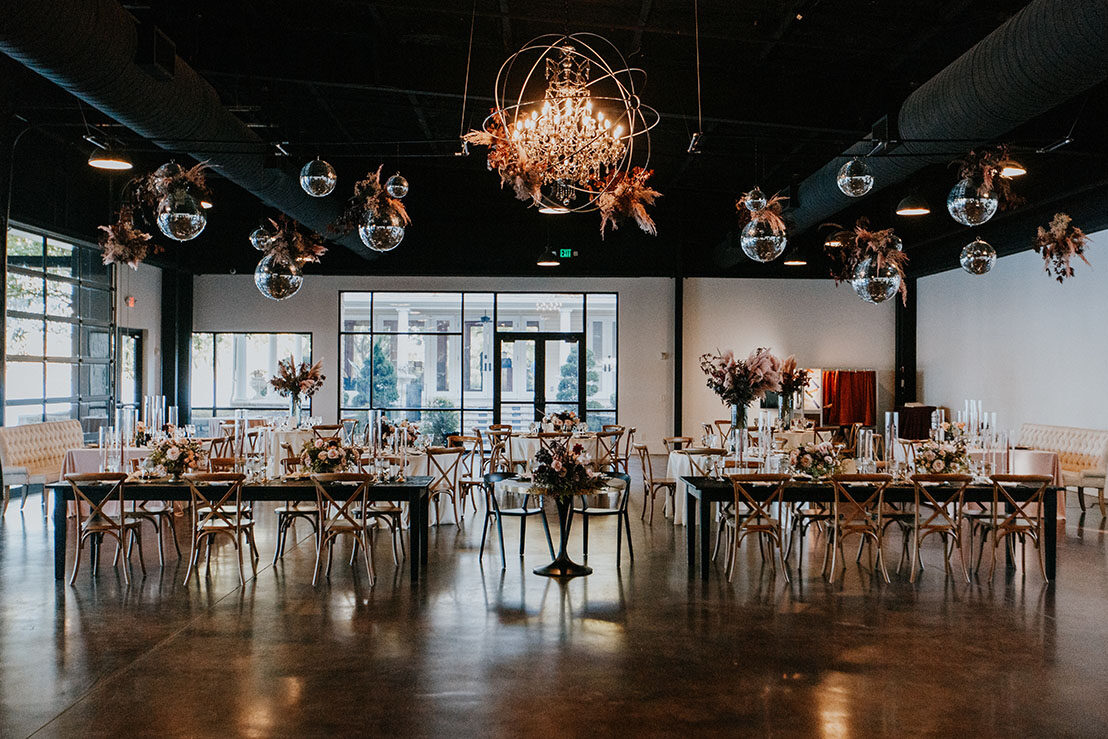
565 253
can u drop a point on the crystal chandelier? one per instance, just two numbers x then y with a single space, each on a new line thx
575 145
585 125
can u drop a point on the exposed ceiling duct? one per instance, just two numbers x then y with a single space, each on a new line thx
1039 58
88 47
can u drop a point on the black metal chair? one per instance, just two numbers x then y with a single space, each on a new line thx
619 510
529 505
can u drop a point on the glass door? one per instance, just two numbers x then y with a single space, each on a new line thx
539 374
130 366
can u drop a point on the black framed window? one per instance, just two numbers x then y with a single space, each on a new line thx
60 325
427 356
231 370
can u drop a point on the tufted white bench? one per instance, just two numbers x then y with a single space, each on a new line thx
33 454
1083 454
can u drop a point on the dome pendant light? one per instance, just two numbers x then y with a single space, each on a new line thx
912 205
110 159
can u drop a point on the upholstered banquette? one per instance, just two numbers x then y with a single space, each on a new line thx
33 454
1083 454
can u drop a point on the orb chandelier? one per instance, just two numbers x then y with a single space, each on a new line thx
567 122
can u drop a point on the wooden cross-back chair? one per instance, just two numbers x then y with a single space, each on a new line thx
857 510
502 438
549 438
758 518
1016 519
443 465
471 468
341 515
702 460
100 522
675 443
939 511
723 426
651 484
327 431
218 510
607 450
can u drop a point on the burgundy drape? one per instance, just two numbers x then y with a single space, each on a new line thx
849 396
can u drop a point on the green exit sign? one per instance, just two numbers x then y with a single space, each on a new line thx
565 253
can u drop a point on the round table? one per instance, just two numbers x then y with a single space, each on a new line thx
524 446
562 566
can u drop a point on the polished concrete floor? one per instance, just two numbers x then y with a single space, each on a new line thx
479 651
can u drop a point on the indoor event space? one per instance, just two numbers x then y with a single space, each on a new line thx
579 368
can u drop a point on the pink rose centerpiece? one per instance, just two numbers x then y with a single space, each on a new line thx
328 455
941 457
176 456
815 460
561 470
561 421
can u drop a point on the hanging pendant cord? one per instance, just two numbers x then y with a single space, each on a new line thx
696 32
465 91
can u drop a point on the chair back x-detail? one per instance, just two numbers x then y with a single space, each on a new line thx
703 460
549 438
100 521
675 443
327 431
1018 519
341 498
218 510
607 450
651 484
443 464
939 503
758 518
470 468
857 509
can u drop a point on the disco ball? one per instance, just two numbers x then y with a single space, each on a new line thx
969 204
180 216
259 238
978 257
755 200
277 279
383 233
760 242
895 242
397 186
875 285
854 178
318 178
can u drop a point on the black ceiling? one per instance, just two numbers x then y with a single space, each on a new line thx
786 87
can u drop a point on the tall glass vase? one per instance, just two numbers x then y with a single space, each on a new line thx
294 410
788 404
738 431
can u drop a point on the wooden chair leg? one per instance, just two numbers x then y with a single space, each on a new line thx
77 558
1081 498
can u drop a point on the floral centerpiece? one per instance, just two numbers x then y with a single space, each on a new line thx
941 457
793 381
562 471
948 431
561 421
175 456
409 429
328 455
739 382
142 436
294 380
815 459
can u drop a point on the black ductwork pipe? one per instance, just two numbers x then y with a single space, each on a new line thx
1039 58
87 47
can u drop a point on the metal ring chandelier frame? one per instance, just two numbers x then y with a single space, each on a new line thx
638 118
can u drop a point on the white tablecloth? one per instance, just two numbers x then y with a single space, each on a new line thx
678 466
525 446
275 452
78 461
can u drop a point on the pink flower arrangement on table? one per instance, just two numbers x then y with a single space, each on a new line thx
562 470
815 459
175 456
941 457
740 382
955 431
567 420
328 455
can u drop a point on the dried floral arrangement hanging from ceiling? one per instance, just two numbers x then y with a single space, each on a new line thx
1058 244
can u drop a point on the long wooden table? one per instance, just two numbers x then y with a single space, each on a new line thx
701 492
413 491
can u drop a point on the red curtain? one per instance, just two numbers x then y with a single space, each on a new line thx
849 396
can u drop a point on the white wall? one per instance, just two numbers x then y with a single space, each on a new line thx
145 285
823 325
233 303
1032 350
